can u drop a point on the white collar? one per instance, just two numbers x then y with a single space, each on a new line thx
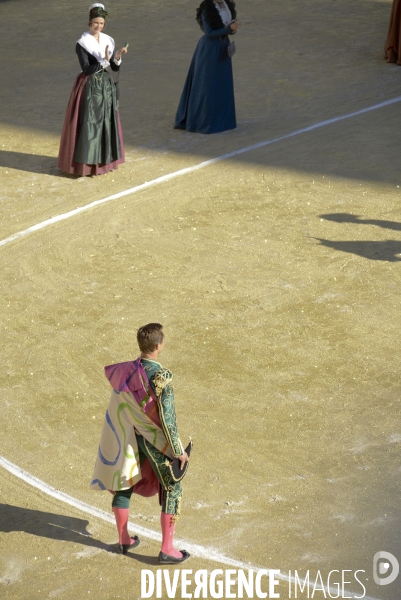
94 47
224 12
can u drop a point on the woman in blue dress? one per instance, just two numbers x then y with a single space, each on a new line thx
207 102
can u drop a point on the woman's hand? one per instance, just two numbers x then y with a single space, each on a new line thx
234 26
120 52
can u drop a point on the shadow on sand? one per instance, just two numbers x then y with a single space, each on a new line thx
58 527
33 163
49 525
385 250
350 218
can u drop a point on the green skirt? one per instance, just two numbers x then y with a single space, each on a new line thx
98 139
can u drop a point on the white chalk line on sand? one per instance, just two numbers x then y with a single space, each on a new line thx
202 552
187 170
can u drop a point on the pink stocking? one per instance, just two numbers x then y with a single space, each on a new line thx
168 526
121 516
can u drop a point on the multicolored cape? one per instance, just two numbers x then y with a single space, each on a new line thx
133 406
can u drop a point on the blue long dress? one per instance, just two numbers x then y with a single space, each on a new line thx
207 102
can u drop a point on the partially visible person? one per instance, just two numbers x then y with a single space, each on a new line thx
139 439
207 102
392 47
91 141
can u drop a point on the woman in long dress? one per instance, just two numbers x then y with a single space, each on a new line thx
207 102
392 47
91 141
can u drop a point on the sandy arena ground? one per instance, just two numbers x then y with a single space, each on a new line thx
276 275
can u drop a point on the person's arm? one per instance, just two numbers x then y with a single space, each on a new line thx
213 33
114 63
165 394
87 67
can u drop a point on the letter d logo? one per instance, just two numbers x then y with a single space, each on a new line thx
381 568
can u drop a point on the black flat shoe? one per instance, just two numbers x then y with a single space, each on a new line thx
165 559
124 548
